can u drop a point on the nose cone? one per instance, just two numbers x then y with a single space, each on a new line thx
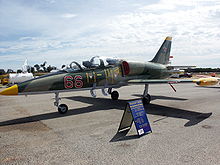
10 91
198 82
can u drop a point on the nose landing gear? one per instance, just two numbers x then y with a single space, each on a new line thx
62 108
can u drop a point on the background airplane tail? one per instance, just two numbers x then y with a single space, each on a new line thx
163 54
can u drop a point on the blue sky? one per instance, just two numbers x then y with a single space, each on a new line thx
61 31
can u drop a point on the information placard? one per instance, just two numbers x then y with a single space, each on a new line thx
139 116
134 111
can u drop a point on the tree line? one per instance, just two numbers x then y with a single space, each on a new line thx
37 68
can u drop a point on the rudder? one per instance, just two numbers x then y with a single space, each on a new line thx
163 54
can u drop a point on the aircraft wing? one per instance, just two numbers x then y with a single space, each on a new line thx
160 81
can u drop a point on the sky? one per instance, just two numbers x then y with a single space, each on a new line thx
62 31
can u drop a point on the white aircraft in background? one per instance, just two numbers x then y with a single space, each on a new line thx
15 78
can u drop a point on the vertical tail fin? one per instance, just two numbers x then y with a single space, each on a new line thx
163 54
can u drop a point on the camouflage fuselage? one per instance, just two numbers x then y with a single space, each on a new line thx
110 76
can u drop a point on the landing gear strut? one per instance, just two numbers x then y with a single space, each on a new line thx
62 108
146 97
114 94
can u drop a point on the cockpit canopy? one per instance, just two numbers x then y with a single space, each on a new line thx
94 63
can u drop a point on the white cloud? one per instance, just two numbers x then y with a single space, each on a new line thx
193 26
52 35
68 15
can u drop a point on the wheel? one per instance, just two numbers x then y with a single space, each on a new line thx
62 108
146 99
114 95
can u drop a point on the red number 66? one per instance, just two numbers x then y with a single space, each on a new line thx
68 82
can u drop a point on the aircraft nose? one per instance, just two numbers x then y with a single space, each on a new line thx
10 91
197 82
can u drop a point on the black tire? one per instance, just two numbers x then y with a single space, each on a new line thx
62 108
146 99
114 95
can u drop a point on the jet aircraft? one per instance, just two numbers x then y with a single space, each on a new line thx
104 75
15 78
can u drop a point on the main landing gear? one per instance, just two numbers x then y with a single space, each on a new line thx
62 108
114 94
146 97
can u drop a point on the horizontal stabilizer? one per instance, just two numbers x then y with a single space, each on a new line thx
182 67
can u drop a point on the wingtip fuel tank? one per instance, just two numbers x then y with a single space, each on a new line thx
206 81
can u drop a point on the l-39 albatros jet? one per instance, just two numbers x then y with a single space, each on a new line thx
104 75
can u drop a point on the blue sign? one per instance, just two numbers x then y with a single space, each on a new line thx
139 116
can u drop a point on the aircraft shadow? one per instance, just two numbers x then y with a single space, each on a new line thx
107 104
98 104
155 97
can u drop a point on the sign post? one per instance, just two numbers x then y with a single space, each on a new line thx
135 111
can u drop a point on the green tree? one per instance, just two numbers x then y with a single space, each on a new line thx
49 68
43 66
37 67
19 71
32 69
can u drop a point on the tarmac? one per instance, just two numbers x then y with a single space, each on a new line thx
185 127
